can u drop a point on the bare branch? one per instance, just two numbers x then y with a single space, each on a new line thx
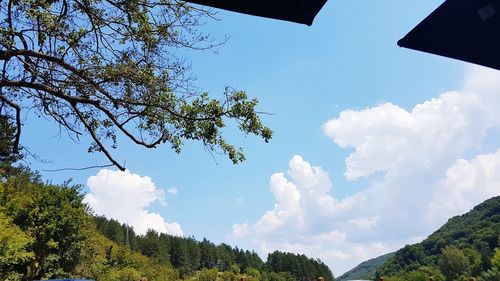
96 139
79 169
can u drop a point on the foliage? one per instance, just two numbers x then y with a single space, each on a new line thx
103 259
207 275
111 68
453 263
193 258
14 253
365 270
52 216
252 274
490 275
461 248
185 254
277 276
300 266
228 276
9 148
495 260
8 154
422 274
494 273
46 232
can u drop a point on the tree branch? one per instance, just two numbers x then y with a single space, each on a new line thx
79 100
79 169
96 139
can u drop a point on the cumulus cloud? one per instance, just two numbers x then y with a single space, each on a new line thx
433 166
126 197
467 181
387 136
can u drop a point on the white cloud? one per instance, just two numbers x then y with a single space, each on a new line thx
126 197
433 165
467 182
239 231
387 136
173 191
365 223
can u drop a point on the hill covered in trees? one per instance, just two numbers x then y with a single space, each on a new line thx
47 232
466 246
188 255
365 270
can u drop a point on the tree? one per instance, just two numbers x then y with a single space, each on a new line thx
280 276
495 260
9 152
111 68
14 256
151 246
53 217
207 275
492 274
208 254
253 274
454 263
228 276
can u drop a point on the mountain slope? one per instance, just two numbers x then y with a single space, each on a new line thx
365 270
464 246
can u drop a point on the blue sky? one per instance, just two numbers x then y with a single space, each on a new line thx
375 146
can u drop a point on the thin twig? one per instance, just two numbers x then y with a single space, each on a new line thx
78 169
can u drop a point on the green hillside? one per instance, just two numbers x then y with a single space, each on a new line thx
365 270
466 246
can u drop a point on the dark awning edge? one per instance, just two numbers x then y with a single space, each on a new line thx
298 11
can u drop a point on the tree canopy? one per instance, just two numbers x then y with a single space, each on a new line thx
464 247
110 68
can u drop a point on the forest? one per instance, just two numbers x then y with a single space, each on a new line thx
466 246
188 255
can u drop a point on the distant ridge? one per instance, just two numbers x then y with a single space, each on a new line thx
365 270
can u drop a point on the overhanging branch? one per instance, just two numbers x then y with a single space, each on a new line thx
95 138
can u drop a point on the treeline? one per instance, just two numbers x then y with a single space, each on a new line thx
466 246
188 255
300 266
